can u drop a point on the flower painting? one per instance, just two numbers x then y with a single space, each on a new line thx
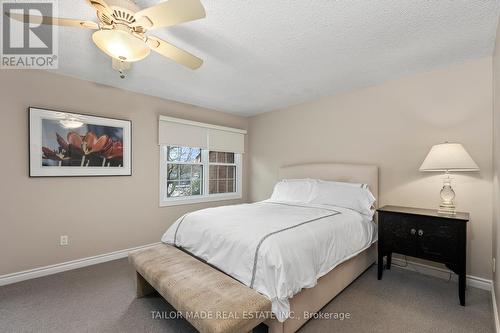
78 145
84 146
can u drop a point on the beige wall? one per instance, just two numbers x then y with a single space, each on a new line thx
496 164
393 125
100 214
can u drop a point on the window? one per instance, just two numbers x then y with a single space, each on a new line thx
184 172
190 175
222 172
199 162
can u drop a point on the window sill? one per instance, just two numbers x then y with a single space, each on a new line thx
190 201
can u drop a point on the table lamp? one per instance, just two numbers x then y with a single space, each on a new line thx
448 157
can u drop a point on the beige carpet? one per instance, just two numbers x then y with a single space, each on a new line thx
101 299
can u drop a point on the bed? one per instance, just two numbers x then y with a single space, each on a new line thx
330 285
298 255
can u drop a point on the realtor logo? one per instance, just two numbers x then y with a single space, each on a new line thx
27 41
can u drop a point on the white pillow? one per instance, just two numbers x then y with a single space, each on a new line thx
348 195
293 190
342 183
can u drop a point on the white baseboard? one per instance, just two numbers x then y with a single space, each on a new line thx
495 309
66 266
442 273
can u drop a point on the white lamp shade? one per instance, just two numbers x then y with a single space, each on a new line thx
448 157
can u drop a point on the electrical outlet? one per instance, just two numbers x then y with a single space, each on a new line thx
494 264
64 240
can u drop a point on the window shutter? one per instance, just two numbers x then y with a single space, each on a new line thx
177 134
186 133
225 141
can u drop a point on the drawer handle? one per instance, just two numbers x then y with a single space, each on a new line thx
413 231
420 232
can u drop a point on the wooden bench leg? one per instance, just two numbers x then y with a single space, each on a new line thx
143 288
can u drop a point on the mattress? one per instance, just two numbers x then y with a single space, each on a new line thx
276 248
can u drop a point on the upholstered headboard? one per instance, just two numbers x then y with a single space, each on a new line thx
354 173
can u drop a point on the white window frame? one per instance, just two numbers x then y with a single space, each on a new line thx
205 196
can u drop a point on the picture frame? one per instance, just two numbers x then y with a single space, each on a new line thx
66 144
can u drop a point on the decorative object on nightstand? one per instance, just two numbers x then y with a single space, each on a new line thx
425 234
448 157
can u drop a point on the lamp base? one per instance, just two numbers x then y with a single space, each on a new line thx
447 209
447 195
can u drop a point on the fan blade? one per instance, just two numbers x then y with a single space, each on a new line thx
170 13
35 19
101 6
173 52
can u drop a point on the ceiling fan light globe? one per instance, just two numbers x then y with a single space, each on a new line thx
121 45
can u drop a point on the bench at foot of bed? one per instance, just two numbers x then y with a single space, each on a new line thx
210 300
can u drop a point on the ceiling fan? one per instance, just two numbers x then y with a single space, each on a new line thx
121 30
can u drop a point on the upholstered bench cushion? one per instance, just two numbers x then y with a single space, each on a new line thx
209 299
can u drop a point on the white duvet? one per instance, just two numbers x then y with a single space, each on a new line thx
273 247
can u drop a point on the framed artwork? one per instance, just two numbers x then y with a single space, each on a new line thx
64 144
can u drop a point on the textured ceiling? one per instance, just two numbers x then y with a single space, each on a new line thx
262 55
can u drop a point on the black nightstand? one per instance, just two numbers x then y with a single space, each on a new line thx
425 234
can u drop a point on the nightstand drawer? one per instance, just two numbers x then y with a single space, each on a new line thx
399 232
437 240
